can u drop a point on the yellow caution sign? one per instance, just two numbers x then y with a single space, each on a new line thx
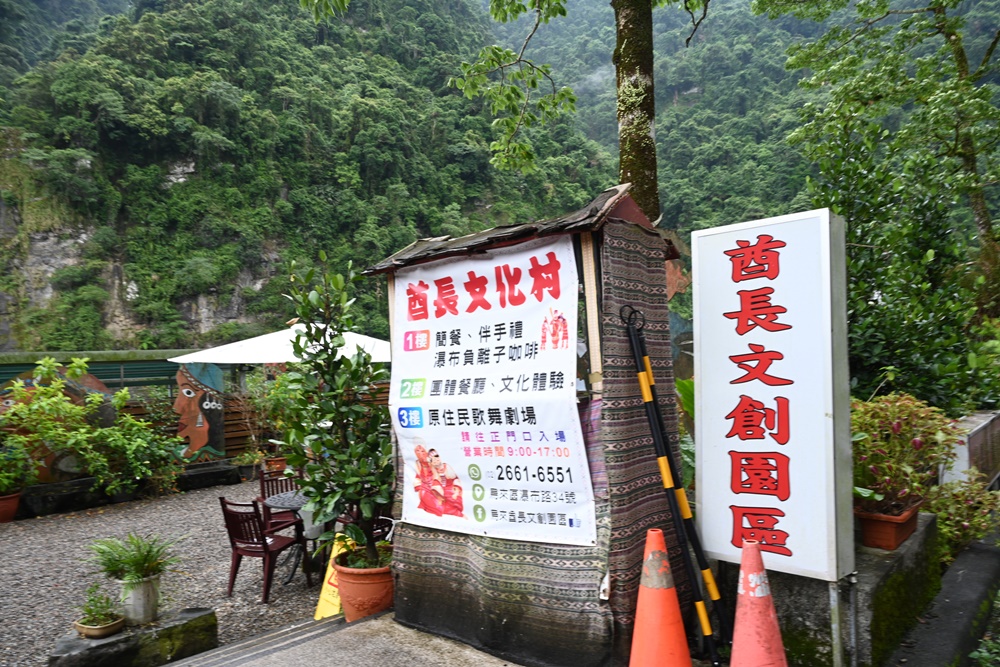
329 595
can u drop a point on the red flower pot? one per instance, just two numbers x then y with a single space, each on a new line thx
8 506
884 531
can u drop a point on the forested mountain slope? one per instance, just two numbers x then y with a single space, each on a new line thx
29 27
159 171
159 168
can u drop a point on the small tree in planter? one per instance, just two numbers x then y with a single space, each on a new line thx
335 432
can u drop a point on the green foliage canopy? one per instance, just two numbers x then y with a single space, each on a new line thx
205 143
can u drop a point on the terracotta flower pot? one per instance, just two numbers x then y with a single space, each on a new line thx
364 592
99 631
884 531
8 506
275 463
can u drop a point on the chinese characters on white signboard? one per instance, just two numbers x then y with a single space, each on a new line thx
772 404
483 395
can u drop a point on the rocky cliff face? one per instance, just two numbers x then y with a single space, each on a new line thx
208 311
35 259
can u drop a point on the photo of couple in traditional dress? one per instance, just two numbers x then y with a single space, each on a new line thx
436 483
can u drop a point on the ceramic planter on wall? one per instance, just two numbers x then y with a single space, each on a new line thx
884 531
363 592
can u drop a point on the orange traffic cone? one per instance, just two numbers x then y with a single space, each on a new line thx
658 639
756 637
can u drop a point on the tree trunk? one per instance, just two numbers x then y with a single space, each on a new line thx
633 60
967 149
968 153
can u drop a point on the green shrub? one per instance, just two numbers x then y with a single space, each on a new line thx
197 275
71 277
43 419
17 467
987 654
966 511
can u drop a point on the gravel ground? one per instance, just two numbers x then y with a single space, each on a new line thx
43 576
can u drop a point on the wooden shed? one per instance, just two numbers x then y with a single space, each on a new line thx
556 604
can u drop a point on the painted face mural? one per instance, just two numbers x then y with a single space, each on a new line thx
200 406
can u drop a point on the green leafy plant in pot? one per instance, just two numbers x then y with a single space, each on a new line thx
101 615
901 445
336 433
248 461
137 561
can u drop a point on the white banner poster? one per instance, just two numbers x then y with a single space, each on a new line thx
483 395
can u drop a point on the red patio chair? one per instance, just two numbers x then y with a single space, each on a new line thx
249 537
273 482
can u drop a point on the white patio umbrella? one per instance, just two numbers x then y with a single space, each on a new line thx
276 348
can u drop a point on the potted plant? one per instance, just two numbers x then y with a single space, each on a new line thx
248 461
901 445
275 460
137 563
18 469
365 586
101 616
337 434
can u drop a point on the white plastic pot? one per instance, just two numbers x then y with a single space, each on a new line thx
141 604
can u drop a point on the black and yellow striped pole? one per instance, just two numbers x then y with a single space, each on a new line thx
630 318
718 604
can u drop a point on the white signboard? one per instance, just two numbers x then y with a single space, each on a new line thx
483 395
772 404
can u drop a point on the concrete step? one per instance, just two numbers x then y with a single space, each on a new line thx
248 650
377 641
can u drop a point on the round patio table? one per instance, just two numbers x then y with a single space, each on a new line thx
289 500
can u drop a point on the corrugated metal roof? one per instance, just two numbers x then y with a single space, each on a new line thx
424 250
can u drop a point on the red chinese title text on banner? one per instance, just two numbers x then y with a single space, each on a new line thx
772 403
483 395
